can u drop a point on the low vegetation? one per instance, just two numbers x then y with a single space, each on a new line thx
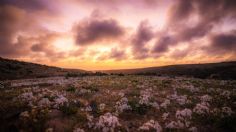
118 103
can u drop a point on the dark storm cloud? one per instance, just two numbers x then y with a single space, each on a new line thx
26 4
37 48
225 42
210 14
209 11
198 31
181 10
14 20
10 23
162 45
96 30
143 35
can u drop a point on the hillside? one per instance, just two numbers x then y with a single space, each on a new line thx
13 69
223 70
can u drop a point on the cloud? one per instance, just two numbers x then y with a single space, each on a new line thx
94 30
162 45
43 47
29 5
182 9
12 19
117 3
224 42
142 36
208 11
191 20
117 54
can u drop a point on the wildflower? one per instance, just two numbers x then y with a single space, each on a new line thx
183 114
122 105
165 103
44 102
90 120
193 129
151 125
226 94
121 94
201 108
165 115
28 96
174 125
145 97
78 130
25 114
102 106
49 130
88 108
60 100
107 122
154 104
227 111
205 98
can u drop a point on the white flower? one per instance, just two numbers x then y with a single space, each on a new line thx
174 124
121 94
165 115
90 120
205 98
193 129
78 130
88 108
28 96
122 105
151 125
145 96
202 108
107 122
102 106
25 114
44 102
154 104
165 103
183 114
84 91
60 100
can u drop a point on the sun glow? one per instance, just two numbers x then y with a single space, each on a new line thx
64 43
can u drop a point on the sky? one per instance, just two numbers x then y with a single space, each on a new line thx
118 34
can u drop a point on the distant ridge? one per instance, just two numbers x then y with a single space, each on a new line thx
222 70
14 69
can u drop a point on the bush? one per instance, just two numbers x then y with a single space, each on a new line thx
71 89
95 109
69 109
138 108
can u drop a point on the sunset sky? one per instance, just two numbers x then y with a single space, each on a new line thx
118 34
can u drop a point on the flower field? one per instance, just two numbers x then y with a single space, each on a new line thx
118 103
